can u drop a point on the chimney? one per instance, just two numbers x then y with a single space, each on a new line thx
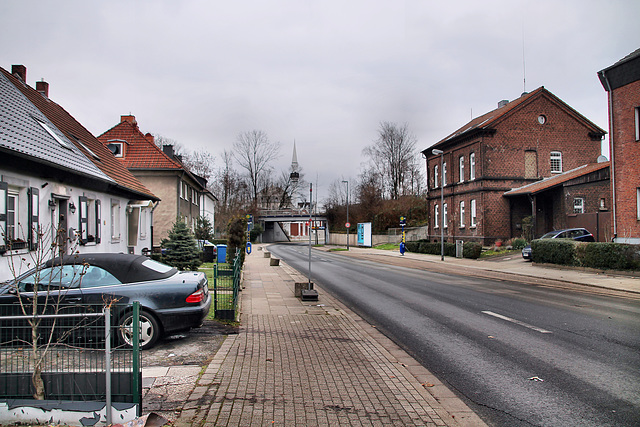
19 71
168 150
129 119
43 88
149 137
503 103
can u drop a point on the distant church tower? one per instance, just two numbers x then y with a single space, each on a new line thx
294 160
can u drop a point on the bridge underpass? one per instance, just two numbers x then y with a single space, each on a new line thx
292 227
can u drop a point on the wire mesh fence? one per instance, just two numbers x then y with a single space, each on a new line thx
71 350
226 287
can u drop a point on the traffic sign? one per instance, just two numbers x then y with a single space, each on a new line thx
348 225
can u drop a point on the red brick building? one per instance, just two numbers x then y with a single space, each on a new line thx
622 83
523 141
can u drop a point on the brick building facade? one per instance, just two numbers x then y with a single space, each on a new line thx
622 83
523 141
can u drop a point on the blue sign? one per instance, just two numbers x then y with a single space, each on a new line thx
248 248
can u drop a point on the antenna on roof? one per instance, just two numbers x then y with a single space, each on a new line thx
524 68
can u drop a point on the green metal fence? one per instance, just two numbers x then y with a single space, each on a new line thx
76 349
226 287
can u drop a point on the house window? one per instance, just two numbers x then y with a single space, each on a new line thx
13 202
556 162
578 205
116 148
445 216
436 215
461 214
143 223
444 174
461 168
436 179
638 202
115 221
89 227
637 123
473 213
472 166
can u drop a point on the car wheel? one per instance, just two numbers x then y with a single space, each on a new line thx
149 330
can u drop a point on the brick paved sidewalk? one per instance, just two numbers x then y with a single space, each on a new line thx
298 363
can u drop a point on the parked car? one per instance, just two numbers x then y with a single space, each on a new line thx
170 300
579 234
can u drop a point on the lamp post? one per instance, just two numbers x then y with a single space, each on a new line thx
440 153
347 225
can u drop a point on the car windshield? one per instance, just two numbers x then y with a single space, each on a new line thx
50 278
549 235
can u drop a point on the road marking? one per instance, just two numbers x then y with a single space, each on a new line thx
517 322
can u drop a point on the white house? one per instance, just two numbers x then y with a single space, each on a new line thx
61 190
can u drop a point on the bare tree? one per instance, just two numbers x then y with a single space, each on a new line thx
254 152
200 162
392 155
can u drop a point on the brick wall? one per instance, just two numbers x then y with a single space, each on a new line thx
626 157
500 166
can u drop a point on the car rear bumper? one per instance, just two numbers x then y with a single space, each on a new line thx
182 318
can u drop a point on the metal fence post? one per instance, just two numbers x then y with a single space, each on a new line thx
135 383
107 362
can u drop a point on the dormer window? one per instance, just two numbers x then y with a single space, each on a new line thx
116 147
50 131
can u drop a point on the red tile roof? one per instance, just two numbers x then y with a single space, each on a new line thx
139 152
84 140
489 120
554 181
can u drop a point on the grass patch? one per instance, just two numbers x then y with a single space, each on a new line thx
491 253
388 247
337 249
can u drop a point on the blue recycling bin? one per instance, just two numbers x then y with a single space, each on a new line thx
222 253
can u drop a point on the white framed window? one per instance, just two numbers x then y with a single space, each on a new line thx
556 162
436 216
472 166
143 223
89 227
116 148
115 220
436 177
578 205
638 202
461 168
445 217
13 215
637 122
462 219
473 213
444 174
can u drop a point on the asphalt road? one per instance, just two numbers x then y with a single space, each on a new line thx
518 354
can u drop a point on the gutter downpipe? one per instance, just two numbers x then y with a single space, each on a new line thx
611 153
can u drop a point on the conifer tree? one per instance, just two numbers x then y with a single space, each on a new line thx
182 249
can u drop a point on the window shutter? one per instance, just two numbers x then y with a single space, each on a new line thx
98 222
84 214
34 218
4 190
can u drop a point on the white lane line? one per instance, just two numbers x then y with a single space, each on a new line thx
517 322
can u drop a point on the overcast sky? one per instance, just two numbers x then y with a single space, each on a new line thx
322 73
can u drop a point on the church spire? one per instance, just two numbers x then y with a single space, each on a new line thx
294 159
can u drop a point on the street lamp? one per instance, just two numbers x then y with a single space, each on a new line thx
440 153
347 225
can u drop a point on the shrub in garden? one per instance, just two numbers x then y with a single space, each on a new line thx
518 243
610 256
236 241
472 250
554 251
